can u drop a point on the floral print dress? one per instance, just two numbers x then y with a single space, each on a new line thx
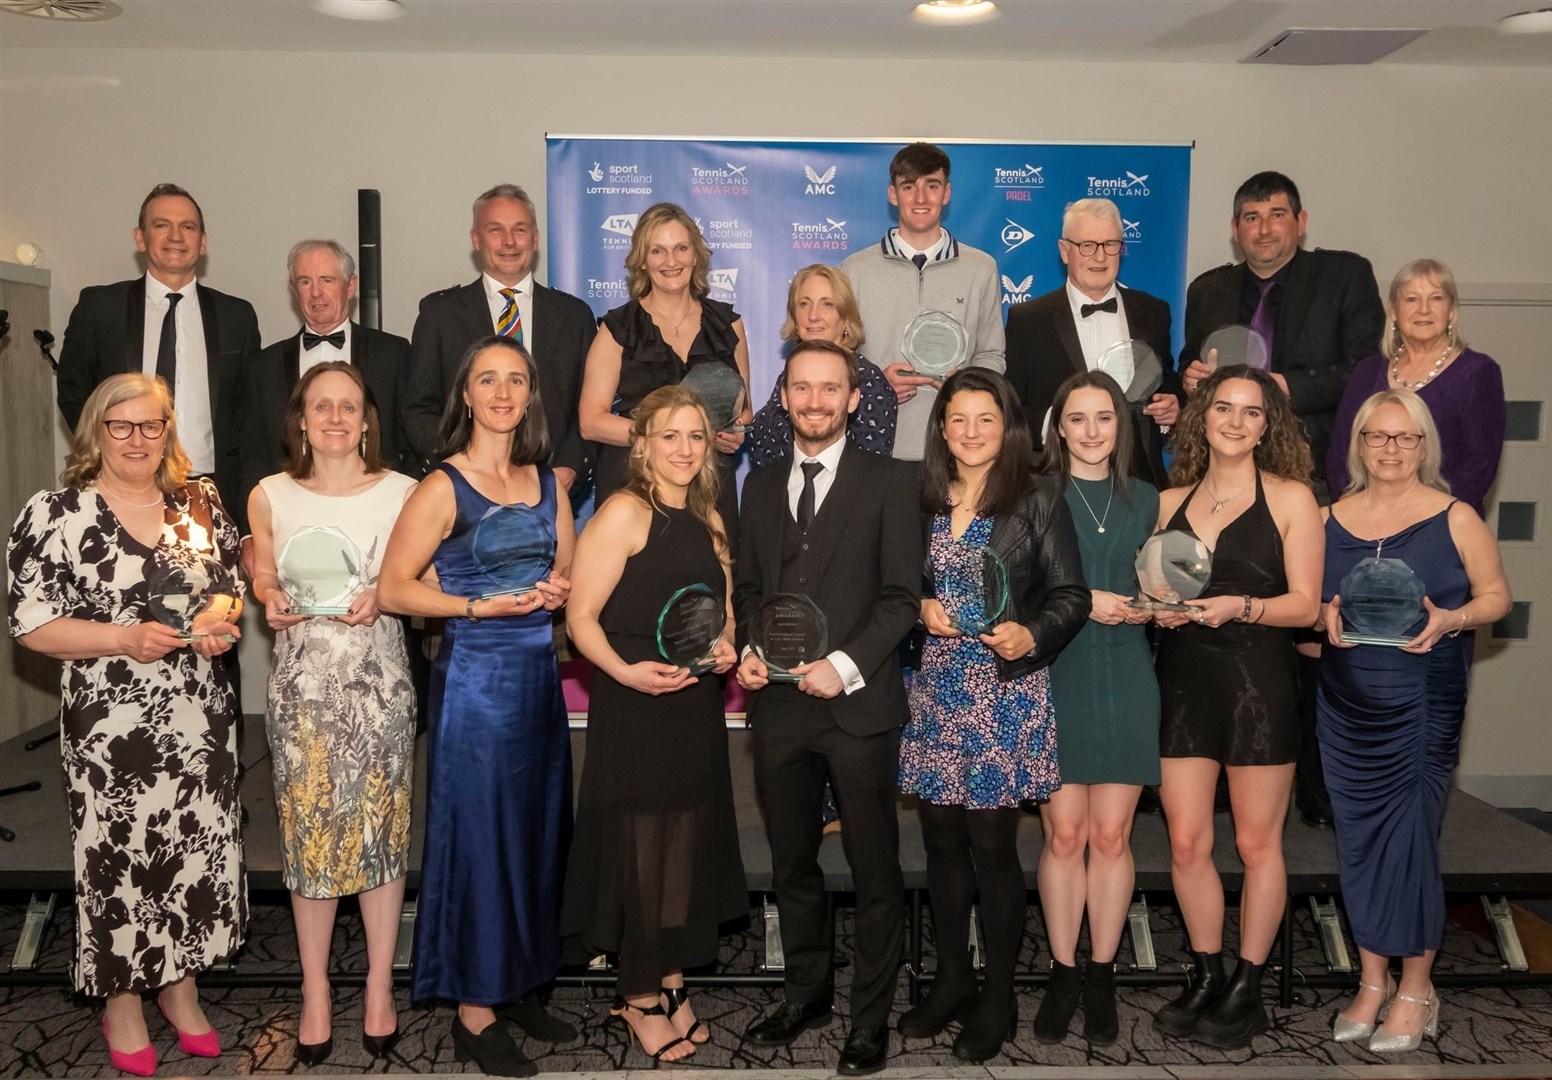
149 750
974 740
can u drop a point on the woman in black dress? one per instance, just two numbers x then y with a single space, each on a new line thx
1228 681
655 868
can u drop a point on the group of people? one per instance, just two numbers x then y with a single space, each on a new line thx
196 455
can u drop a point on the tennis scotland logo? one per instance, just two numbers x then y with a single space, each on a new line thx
1131 231
1119 187
600 289
820 183
1014 235
830 235
728 181
1017 183
1016 292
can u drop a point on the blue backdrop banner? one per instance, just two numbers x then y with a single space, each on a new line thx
769 207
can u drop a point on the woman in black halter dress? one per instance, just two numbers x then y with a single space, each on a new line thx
1228 679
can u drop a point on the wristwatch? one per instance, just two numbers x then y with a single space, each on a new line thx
468 610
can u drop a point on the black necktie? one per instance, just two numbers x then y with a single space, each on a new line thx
167 348
311 340
920 260
811 469
1088 309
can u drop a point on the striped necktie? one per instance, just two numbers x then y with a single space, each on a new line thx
510 324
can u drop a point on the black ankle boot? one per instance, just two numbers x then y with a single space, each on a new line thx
1059 1003
951 998
993 1019
1204 988
1239 1015
1100 1024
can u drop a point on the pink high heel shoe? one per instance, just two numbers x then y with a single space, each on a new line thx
207 1044
140 1063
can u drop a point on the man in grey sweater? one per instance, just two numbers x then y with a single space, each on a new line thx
919 267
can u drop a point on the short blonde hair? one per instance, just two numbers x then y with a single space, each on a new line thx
1429 454
845 304
653 218
1103 209
1433 270
84 461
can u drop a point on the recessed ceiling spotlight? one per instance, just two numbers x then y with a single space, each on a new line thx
1527 22
954 12
364 10
63 10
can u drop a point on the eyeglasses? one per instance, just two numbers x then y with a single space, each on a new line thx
123 429
1377 440
1087 248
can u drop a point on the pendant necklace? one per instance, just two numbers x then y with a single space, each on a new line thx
1099 522
1217 503
1426 379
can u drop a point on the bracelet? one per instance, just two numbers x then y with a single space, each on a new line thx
1262 615
1456 632
468 610
1244 616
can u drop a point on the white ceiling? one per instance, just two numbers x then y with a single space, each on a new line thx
1184 31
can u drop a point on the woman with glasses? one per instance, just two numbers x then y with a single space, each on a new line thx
1389 718
148 728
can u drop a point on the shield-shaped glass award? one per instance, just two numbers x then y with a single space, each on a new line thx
721 389
972 585
1136 367
514 548
689 626
788 630
186 590
935 344
320 570
1236 344
1382 603
1172 567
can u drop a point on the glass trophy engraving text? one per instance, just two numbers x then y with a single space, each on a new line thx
935 344
320 570
788 630
721 389
1172 567
514 549
689 627
972 585
1235 344
1382 603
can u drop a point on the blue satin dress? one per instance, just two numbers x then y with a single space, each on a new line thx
1389 728
498 813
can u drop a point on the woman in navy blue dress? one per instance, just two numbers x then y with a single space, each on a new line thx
1389 718
498 811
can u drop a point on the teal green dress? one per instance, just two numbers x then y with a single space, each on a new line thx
1103 690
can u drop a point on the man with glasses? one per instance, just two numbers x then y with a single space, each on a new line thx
1066 331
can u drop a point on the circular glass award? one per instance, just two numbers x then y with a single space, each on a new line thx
514 549
1172 567
788 630
689 626
1382 603
935 344
320 570
971 582
1236 344
187 590
1135 366
721 389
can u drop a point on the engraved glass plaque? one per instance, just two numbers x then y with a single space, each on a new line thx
1236 344
721 389
935 344
689 627
788 630
514 548
1172 567
320 570
187 590
972 586
1382 603
1136 367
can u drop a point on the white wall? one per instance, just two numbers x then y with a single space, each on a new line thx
1393 161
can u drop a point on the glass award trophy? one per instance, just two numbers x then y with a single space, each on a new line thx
1236 345
320 570
689 626
1172 567
1136 367
189 591
935 344
788 630
972 586
721 389
1382 603
514 548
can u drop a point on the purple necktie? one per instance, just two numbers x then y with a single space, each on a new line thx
1261 321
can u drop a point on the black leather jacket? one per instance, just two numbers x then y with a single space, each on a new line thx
1047 592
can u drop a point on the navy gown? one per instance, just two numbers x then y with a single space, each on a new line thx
498 810
1389 728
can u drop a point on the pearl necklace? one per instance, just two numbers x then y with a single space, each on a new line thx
158 501
1426 379
1099 522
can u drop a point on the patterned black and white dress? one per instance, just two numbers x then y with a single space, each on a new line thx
149 750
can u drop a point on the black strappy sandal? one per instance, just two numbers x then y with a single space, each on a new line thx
621 1010
678 997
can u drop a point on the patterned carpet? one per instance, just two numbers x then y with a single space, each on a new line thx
48 1032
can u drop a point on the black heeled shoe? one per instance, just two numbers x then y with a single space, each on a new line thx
381 1045
621 1011
949 1000
1239 1015
311 1054
492 1050
1054 1016
678 997
994 1021
1205 987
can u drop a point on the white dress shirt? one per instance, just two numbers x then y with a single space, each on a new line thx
323 352
1101 329
931 250
830 458
191 397
498 303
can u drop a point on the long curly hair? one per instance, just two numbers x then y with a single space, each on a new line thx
1283 450
640 479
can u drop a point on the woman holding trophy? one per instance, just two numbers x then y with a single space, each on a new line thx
1003 594
1228 682
1408 568
127 573
341 713
655 868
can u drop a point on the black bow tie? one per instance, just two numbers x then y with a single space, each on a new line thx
311 340
1088 309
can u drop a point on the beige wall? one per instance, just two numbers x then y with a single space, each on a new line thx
1394 161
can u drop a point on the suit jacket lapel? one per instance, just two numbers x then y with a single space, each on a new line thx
476 310
360 348
1067 333
838 502
773 502
1293 305
291 362
207 315
1137 323
134 326
1007 532
537 336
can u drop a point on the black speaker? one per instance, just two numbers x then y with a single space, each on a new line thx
369 223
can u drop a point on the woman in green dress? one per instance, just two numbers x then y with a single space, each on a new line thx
1106 703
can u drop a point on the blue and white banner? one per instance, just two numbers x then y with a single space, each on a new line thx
769 207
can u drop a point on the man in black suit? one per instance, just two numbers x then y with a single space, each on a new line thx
324 282
200 351
556 327
1064 332
841 527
